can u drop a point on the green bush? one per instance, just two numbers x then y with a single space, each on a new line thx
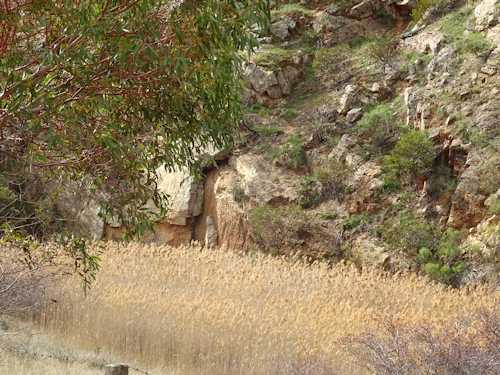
494 208
488 168
412 156
409 233
355 221
444 263
310 192
421 7
378 128
326 182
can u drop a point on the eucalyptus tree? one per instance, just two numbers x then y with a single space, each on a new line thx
107 91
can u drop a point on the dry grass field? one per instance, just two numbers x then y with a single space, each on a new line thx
192 311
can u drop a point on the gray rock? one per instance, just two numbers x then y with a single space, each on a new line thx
185 195
259 79
348 99
486 14
441 62
281 29
354 115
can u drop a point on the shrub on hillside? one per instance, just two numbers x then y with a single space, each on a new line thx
409 233
412 156
325 183
273 228
444 264
379 128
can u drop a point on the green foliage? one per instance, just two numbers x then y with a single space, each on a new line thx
422 6
290 113
438 253
326 182
443 264
310 192
268 131
469 133
494 207
412 156
409 232
108 92
382 49
355 221
378 128
454 27
330 216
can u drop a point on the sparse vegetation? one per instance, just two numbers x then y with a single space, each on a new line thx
379 128
273 57
422 6
275 228
291 154
310 192
239 194
412 156
453 26
409 232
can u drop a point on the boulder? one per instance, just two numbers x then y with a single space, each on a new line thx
261 80
281 28
486 14
354 115
262 182
185 195
348 99
367 252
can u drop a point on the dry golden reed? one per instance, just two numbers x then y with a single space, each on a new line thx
193 311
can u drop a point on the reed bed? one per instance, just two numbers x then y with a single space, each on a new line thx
193 311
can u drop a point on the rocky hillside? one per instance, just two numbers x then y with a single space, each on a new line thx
372 135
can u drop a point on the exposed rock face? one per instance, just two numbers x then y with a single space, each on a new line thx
486 14
367 252
429 40
267 84
263 182
185 195
281 29
467 207
348 99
